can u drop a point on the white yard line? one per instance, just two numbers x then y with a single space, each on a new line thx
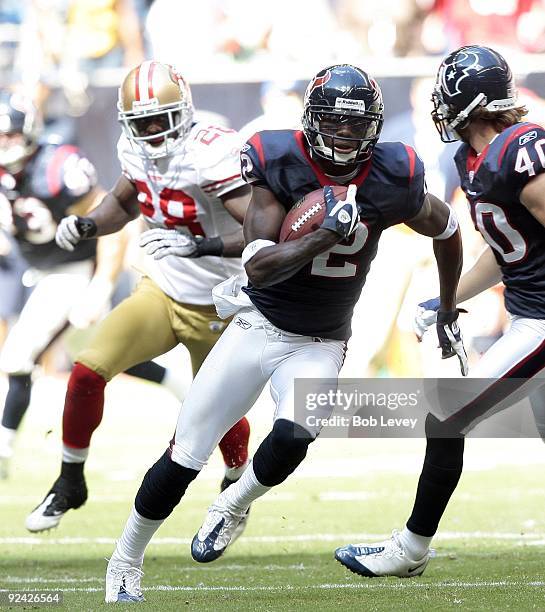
388 586
310 537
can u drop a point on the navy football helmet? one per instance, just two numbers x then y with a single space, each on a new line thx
342 95
469 78
18 117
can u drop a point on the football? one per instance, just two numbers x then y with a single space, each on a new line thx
307 214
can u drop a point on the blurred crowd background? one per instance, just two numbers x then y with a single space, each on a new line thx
248 65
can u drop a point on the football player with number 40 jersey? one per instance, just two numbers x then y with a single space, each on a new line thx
184 179
501 165
293 318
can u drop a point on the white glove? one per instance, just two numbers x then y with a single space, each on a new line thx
92 304
342 216
425 317
162 242
68 235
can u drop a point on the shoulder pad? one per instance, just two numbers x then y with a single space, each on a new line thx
398 160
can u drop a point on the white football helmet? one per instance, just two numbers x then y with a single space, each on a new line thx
155 108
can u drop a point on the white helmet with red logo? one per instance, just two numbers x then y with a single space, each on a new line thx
155 91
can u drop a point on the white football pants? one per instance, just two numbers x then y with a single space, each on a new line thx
249 353
520 354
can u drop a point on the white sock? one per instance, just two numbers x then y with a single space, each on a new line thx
238 497
177 382
7 438
416 545
135 537
234 473
74 455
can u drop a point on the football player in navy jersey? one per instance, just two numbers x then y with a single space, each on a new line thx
501 165
292 320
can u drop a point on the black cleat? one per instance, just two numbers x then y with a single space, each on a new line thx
63 496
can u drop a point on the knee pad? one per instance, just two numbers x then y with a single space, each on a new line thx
17 400
281 452
162 488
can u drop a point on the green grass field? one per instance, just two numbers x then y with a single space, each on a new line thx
489 556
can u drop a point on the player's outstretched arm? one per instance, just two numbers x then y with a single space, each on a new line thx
119 206
116 209
267 262
437 220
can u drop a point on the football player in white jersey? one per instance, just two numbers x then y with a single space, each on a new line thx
184 179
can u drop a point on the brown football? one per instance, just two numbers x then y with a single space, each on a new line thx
307 214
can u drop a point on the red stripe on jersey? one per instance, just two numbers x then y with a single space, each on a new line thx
474 160
320 175
137 84
412 161
150 80
53 174
216 184
515 134
511 373
255 141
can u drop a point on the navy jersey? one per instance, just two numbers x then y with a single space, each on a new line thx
55 178
319 299
492 182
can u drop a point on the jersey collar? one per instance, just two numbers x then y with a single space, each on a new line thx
323 179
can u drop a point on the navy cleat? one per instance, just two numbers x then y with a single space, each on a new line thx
216 533
387 558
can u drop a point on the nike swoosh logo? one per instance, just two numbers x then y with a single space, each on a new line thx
413 569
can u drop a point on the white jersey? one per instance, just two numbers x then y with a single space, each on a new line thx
183 192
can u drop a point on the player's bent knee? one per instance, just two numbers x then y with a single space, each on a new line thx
83 377
444 453
281 452
162 488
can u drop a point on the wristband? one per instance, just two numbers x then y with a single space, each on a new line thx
87 228
208 246
451 227
254 247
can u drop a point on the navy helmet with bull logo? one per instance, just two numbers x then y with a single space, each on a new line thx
338 95
469 78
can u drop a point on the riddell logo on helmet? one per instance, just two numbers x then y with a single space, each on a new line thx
319 81
140 104
345 103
